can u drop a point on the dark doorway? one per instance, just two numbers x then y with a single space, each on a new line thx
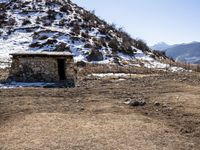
61 69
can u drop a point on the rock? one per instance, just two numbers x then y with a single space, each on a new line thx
81 64
95 55
81 108
77 101
156 103
62 47
136 102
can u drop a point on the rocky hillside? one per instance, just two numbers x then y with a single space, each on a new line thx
60 25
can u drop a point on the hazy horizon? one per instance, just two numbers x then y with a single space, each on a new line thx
172 22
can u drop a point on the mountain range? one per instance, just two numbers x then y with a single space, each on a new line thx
161 46
189 53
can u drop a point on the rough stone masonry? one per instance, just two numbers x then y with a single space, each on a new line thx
42 67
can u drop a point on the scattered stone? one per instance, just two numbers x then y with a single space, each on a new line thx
95 55
77 101
156 103
81 64
82 109
135 102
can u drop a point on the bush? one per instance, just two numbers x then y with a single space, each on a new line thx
127 50
52 2
80 64
33 45
87 16
87 45
2 19
1 33
51 14
51 41
43 37
26 21
85 35
62 47
140 44
2 6
76 29
113 44
11 22
74 38
198 68
62 22
66 8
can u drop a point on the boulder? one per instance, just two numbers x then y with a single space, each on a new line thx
95 55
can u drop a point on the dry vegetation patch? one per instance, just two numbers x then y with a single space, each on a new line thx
94 114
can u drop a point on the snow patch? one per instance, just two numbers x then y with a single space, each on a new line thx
101 75
16 42
23 84
4 1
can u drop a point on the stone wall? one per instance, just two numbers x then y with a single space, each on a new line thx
39 69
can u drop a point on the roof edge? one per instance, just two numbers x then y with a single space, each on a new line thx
41 54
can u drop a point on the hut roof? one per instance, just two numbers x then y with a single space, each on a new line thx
41 54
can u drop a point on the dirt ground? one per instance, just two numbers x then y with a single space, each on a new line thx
93 115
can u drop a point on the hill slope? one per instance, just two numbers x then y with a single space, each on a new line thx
60 25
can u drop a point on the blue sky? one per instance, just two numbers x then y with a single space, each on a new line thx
170 21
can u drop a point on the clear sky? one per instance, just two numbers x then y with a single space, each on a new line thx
170 21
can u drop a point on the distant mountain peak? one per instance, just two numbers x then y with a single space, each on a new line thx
186 52
161 43
160 46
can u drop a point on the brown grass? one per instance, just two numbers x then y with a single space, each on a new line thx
93 115
108 68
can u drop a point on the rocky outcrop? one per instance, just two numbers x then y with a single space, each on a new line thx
95 55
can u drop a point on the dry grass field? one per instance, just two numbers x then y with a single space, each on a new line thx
94 115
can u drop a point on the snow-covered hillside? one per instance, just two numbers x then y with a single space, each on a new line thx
60 25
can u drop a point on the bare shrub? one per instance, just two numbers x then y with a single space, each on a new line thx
66 8
43 37
26 22
76 29
113 68
113 44
85 35
62 22
87 45
51 14
61 47
2 19
140 44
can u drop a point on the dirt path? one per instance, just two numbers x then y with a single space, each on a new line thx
94 116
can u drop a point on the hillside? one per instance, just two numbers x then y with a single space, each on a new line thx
60 25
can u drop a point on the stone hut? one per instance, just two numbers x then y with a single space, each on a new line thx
43 67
